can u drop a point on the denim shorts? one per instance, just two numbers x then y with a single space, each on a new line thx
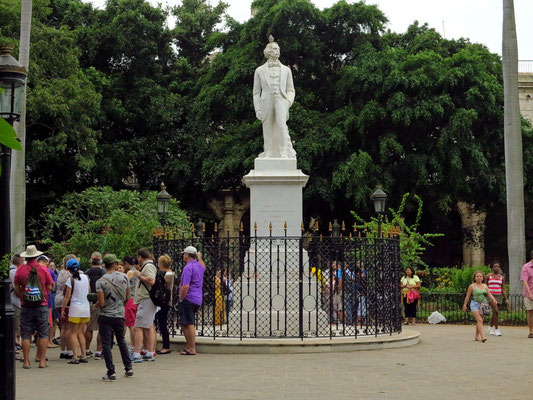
34 319
474 305
187 312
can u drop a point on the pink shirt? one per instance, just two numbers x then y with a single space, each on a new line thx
527 276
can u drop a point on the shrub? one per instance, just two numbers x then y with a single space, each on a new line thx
101 219
413 244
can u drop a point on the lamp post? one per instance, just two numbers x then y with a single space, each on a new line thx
12 81
200 229
379 197
163 203
335 228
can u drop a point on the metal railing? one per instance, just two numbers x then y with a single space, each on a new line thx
293 287
450 305
525 66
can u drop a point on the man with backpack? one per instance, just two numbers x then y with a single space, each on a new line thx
145 307
32 284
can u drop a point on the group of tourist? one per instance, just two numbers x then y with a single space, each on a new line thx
110 297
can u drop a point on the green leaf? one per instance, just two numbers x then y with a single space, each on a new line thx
8 136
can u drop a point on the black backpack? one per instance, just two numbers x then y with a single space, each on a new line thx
159 293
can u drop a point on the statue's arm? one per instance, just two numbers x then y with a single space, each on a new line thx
257 91
290 87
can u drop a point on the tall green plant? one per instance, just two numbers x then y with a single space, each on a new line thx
101 219
413 244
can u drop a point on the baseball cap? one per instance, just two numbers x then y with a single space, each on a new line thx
190 250
72 264
110 259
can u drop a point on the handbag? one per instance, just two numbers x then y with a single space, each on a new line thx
485 308
412 296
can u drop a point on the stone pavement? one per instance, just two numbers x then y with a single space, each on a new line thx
446 364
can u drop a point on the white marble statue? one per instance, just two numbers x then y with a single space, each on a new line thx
273 96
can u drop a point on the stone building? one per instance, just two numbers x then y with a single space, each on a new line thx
525 88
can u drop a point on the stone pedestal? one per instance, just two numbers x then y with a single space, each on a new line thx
276 196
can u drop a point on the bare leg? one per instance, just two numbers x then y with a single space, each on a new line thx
88 338
479 326
81 340
132 335
73 330
189 331
150 339
64 336
26 351
494 320
530 321
138 339
41 350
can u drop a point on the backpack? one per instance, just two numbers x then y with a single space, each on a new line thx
159 293
33 295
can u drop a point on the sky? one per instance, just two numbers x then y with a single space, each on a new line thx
478 20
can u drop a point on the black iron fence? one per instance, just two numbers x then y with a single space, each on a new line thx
293 287
450 306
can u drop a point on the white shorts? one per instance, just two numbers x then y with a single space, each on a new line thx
528 304
145 314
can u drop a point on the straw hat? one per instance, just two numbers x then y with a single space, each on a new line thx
31 252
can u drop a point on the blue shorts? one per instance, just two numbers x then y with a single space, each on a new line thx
187 312
474 305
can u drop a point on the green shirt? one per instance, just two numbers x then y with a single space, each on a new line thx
479 295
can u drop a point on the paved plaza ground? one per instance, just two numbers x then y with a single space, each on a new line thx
446 364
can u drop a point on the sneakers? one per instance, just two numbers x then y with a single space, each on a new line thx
497 332
109 378
97 356
136 359
492 330
148 358
128 374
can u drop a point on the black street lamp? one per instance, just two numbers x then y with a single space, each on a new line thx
163 203
379 197
12 81
335 228
200 229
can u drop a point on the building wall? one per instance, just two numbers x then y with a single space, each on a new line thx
525 95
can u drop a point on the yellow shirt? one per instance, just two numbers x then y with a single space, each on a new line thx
409 282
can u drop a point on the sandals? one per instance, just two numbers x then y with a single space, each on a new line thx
186 352
43 365
83 360
109 378
163 352
74 361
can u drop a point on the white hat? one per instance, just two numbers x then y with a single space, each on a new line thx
190 250
31 252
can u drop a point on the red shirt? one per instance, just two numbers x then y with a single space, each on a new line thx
23 274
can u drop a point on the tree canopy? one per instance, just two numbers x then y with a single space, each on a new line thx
118 97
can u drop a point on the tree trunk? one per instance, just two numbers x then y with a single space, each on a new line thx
513 150
18 161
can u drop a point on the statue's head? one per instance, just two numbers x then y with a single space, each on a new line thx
272 49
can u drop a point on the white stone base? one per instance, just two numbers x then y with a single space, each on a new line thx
276 196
